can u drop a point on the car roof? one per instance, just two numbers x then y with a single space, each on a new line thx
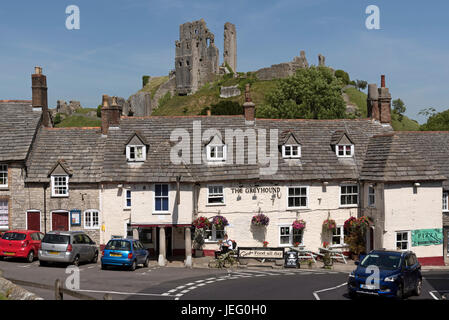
66 233
123 239
391 252
21 231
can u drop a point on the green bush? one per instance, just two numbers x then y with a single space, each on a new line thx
57 119
99 111
145 80
224 108
344 76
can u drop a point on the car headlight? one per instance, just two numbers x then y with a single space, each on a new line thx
391 278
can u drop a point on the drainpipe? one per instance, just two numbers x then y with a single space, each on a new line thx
45 207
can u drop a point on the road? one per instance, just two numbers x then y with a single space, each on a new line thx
170 283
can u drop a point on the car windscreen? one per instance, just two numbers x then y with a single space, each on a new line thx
14 236
56 239
118 245
382 261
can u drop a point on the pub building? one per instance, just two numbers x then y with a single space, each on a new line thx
313 170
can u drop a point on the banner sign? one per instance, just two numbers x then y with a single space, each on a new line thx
427 237
261 253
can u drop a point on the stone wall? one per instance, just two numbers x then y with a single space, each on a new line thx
230 46
228 92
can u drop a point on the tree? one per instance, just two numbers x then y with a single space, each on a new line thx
57 119
99 111
361 84
436 121
312 93
344 76
399 108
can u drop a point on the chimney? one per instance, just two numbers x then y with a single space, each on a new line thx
39 94
373 102
249 107
384 102
110 114
382 81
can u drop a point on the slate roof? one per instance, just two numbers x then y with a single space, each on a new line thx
407 156
18 126
79 149
318 159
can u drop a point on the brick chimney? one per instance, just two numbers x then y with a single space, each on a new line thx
39 94
110 114
379 102
249 106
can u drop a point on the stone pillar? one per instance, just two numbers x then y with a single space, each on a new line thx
135 234
162 255
188 244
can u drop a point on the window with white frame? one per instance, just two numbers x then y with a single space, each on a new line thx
161 198
344 151
3 175
289 236
291 151
371 196
128 202
136 153
297 197
4 214
445 201
91 219
338 236
215 195
403 240
216 152
60 186
215 233
349 195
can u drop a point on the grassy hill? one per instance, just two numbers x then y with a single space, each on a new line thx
81 118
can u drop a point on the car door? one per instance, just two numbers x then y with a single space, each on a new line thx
35 241
408 273
90 248
143 252
136 251
79 246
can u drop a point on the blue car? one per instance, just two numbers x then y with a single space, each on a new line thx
124 253
399 275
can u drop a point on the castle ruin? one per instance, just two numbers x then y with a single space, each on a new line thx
230 46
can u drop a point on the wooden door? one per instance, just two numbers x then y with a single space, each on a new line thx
60 221
34 220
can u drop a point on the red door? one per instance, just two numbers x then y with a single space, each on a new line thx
34 220
60 221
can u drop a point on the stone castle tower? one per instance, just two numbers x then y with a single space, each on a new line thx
196 58
230 46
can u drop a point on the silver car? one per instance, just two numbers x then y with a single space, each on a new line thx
70 247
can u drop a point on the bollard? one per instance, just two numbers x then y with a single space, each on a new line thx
58 290
107 296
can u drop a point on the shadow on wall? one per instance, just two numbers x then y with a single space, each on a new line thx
259 233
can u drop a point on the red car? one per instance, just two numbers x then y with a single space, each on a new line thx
20 244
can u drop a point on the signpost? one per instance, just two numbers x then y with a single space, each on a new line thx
427 237
260 253
291 259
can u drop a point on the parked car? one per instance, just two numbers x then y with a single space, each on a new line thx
125 253
399 275
72 247
20 244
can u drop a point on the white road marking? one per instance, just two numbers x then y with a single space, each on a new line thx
433 295
122 293
315 293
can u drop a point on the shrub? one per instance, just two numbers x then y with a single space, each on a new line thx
57 119
145 80
343 75
224 108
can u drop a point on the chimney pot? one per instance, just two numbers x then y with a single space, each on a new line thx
39 95
382 81
37 70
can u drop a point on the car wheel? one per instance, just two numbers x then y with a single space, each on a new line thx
104 267
30 257
147 262
95 258
418 287
1 258
133 266
400 292
76 261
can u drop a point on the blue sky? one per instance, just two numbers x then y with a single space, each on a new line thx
121 40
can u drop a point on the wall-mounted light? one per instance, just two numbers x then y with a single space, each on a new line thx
417 184
239 198
120 186
415 187
325 183
254 197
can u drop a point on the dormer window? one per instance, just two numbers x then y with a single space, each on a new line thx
291 151
59 186
136 153
136 148
216 149
344 151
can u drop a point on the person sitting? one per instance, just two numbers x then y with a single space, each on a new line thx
225 246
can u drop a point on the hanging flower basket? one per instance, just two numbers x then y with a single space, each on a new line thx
299 224
265 244
201 223
219 221
260 220
329 225
350 224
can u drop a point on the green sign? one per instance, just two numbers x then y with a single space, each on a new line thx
427 237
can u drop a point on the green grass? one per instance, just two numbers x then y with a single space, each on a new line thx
79 121
85 110
406 124
210 94
359 99
2 297
154 84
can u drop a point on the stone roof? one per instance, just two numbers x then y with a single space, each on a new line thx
318 159
18 126
409 156
80 150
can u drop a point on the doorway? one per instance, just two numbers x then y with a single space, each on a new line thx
33 220
60 221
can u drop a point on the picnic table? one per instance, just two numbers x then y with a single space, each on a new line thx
335 253
304 254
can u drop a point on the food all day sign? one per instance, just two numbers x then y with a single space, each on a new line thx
427 237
